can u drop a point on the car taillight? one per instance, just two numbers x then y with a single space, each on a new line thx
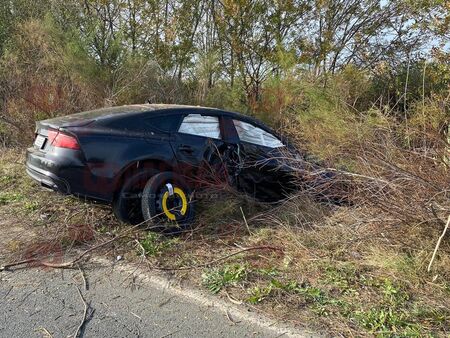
61 140
52 135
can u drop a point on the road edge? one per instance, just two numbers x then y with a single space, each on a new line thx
237 312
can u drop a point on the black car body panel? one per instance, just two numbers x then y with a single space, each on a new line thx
58 167
111 141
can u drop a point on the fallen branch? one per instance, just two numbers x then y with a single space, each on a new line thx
64 265
233 322
170 334
10 265
438 243
84 278
221 258
245 220
45 331
231 299
83 320
74 261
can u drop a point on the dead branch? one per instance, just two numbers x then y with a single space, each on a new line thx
170 334
83 319
245 221
64 265
83 277
438 244
70 264
10 265
233 322
231 299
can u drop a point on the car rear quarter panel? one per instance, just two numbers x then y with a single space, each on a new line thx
109 153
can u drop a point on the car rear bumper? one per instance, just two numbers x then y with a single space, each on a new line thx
51 169
65 171
48 180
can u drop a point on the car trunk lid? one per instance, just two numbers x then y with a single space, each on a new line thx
79 120
44 127
47 130
63 122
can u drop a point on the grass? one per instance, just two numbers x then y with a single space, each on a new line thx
334 272
216 279
9 197
387 322
154 244
40 217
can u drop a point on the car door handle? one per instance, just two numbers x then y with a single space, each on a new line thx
186 149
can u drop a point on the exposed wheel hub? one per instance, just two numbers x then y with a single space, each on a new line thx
172 202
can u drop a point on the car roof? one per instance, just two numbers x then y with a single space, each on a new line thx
156 109
112 113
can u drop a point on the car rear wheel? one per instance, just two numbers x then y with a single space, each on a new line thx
167 203
127 202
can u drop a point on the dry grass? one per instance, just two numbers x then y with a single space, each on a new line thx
343 270
44 223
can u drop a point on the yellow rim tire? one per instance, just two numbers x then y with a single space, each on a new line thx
155 203
184 203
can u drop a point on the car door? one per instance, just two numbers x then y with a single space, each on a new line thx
199 146
262 172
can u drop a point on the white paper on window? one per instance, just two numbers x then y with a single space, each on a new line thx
206 126
251 134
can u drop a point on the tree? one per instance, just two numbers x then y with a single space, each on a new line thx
250 34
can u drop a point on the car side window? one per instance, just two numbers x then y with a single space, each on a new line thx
167 123
251 134
196 124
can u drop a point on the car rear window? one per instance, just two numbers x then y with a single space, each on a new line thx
167 123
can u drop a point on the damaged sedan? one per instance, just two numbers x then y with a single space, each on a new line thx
149 160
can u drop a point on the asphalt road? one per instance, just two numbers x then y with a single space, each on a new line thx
46 303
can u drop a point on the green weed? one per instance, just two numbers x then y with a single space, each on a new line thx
258 294
317 297
447 288
269 272
437 316
216 279
31 205
342 277
290 286
155 244
6 179
103 229
390 318
387 322
8 197
393 294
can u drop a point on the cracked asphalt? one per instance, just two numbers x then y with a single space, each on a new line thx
46 303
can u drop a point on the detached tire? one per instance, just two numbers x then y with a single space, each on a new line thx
127 202
167 203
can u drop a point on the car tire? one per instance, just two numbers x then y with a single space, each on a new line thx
127 201
167 203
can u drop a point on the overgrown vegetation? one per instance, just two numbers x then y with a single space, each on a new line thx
325 64
361 86
337 268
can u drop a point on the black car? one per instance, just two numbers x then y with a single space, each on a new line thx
147 160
